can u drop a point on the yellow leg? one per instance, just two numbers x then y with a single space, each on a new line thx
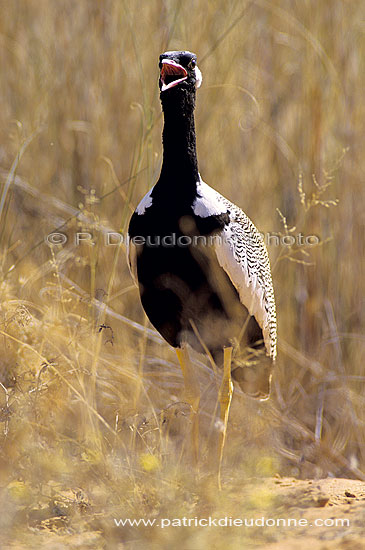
225 398
192 394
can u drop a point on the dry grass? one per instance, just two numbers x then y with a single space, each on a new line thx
92 424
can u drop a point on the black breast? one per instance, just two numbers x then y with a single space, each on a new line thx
183 289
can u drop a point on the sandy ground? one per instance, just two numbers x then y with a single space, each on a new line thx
323 500
338 502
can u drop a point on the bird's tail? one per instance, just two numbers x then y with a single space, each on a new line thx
254 377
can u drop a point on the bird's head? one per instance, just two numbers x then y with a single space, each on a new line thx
179 70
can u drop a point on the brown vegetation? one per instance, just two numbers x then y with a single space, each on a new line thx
92 423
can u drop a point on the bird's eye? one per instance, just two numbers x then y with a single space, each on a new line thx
192 64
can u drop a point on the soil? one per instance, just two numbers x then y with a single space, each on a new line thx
328 500
325 499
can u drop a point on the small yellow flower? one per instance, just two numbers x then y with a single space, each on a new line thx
149 462
19 492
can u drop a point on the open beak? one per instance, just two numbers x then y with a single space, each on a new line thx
171 74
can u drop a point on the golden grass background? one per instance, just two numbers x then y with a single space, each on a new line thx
92 423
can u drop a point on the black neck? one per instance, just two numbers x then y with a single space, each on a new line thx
180 165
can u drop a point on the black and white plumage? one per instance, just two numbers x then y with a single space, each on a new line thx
202 267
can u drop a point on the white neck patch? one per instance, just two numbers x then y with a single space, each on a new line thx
208 202
145 203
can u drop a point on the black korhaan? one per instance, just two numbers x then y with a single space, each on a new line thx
201 265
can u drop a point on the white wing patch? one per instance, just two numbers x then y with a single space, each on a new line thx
145 203
208 202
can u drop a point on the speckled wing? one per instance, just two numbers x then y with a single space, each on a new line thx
242 253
